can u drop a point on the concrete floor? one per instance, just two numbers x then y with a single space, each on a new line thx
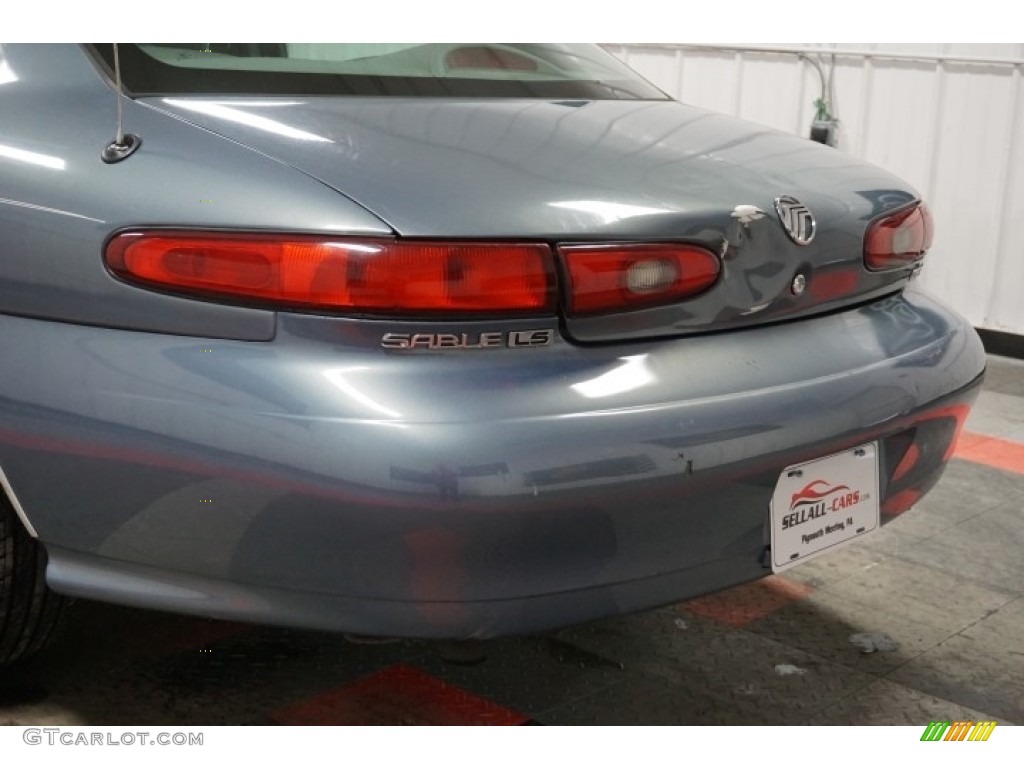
937 597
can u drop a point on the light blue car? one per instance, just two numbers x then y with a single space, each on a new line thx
439 340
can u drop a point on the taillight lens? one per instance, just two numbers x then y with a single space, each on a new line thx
899 239
608 278
373 276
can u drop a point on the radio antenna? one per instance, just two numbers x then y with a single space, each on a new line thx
124 143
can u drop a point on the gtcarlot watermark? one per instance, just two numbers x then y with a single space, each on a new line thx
74 738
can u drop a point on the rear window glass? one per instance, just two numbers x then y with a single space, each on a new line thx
376 69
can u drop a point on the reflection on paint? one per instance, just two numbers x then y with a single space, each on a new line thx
609 213
34 158
225 112
337 377
631 374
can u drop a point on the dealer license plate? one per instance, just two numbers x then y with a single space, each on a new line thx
822 504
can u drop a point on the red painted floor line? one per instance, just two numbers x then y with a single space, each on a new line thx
739 606
991 451
397 695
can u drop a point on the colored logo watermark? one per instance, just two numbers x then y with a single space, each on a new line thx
958 730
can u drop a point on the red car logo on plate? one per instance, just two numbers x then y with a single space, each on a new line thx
811 493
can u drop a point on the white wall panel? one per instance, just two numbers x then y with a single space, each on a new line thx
952 127
1008 291
774 92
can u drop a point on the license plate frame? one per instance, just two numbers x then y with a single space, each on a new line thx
822 504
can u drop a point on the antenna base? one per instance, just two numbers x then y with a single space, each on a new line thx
115 153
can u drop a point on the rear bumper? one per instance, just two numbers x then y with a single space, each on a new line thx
318 481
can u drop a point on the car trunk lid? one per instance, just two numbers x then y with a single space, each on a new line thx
591 172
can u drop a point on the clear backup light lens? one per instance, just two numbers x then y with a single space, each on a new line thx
618 277
899 239
377 276
651 276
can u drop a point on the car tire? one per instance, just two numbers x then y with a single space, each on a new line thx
29 612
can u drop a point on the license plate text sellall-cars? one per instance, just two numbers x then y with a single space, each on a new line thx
824 503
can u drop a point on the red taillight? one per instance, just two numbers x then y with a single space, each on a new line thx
899 239
374 276
606 278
